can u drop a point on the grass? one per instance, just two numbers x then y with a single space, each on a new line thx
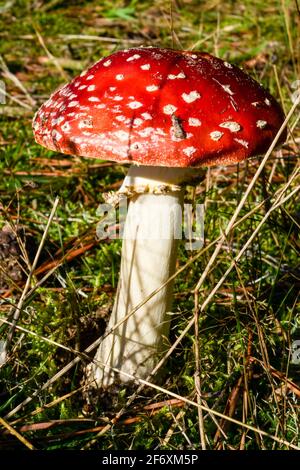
246 328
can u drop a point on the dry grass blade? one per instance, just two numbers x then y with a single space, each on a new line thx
279 201
69 256
85 37
171 430
147 411
15 111
196 405
53 403
197 376
93 346
45 425
281 376
42 338
51 56
66 368
245 196
230 409
181 399
73 285
21 301
45 173
7 73
15 433
15 100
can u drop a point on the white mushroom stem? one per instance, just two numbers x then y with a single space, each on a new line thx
152 229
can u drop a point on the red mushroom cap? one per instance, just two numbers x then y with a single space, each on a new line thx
160 107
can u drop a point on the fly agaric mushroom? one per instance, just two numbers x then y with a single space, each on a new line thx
168 113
